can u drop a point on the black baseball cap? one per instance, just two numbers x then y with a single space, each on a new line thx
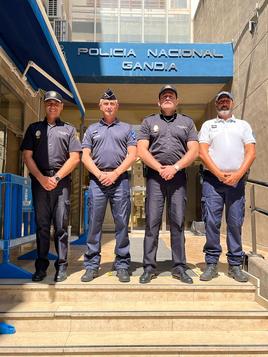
168 87
52 95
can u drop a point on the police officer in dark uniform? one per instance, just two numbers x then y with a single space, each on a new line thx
167 144
51 152
109 149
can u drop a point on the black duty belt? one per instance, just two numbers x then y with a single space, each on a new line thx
49 173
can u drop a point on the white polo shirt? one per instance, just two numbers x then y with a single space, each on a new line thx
227 140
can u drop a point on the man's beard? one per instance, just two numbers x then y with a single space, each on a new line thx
224 113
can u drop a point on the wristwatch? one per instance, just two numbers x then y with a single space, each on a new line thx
176 167
57 178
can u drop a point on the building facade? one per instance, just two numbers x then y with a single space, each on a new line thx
245 23
166 21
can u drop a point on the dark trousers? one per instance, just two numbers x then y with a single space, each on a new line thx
118 195
174 191
216 195
51 206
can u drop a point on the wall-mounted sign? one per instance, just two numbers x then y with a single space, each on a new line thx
125 62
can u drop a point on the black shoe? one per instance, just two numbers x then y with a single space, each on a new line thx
123 275
89 275
39 275
146 277
236 273
210 272
182 276
61 275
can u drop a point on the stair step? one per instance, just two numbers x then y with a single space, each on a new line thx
77 293
137 321
124 305
142 343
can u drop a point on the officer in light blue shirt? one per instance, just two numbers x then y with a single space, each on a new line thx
109 149
227 149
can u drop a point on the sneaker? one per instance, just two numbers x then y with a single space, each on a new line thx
237 274
210 272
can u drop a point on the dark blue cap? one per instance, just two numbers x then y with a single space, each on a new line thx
109 95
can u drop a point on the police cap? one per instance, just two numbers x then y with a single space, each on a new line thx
168 87
52 95
108 95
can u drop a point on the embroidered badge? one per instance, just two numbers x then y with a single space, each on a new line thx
156 128
38 134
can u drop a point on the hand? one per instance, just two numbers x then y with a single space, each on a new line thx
108 178
232 178
167 172
48 183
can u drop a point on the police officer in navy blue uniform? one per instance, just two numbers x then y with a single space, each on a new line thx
167 144
109 149
51 151
227 148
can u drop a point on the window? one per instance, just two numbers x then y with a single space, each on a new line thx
11 108
179 28
155 28
130 28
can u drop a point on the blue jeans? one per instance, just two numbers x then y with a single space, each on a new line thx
215 195
119 197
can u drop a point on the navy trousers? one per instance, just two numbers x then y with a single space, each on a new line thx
118 195
157 191
51 207
216 195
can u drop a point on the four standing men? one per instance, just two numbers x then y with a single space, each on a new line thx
51 152
227 148
167 144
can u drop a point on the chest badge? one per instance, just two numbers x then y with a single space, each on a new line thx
213 126
156 129
38 134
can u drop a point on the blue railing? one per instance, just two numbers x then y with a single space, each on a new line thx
17 221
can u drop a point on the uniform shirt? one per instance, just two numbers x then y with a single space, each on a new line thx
227 140
109 142
168 138
51 145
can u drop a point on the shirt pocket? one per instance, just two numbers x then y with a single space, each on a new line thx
180 132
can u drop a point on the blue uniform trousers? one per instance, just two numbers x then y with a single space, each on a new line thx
51 206
174 191
215 195
118 195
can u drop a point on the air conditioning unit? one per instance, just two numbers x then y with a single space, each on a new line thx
54 8
60 29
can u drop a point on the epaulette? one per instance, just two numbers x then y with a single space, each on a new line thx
150 115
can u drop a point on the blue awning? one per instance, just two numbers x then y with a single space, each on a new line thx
26 35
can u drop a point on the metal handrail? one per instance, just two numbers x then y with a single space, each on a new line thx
254 209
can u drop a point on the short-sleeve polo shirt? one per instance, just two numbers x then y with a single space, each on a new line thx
168 138
51 145
109 143
227 140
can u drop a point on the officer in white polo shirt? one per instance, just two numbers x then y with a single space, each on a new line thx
227 149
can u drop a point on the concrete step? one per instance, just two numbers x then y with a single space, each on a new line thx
137 343
71 321
133 293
